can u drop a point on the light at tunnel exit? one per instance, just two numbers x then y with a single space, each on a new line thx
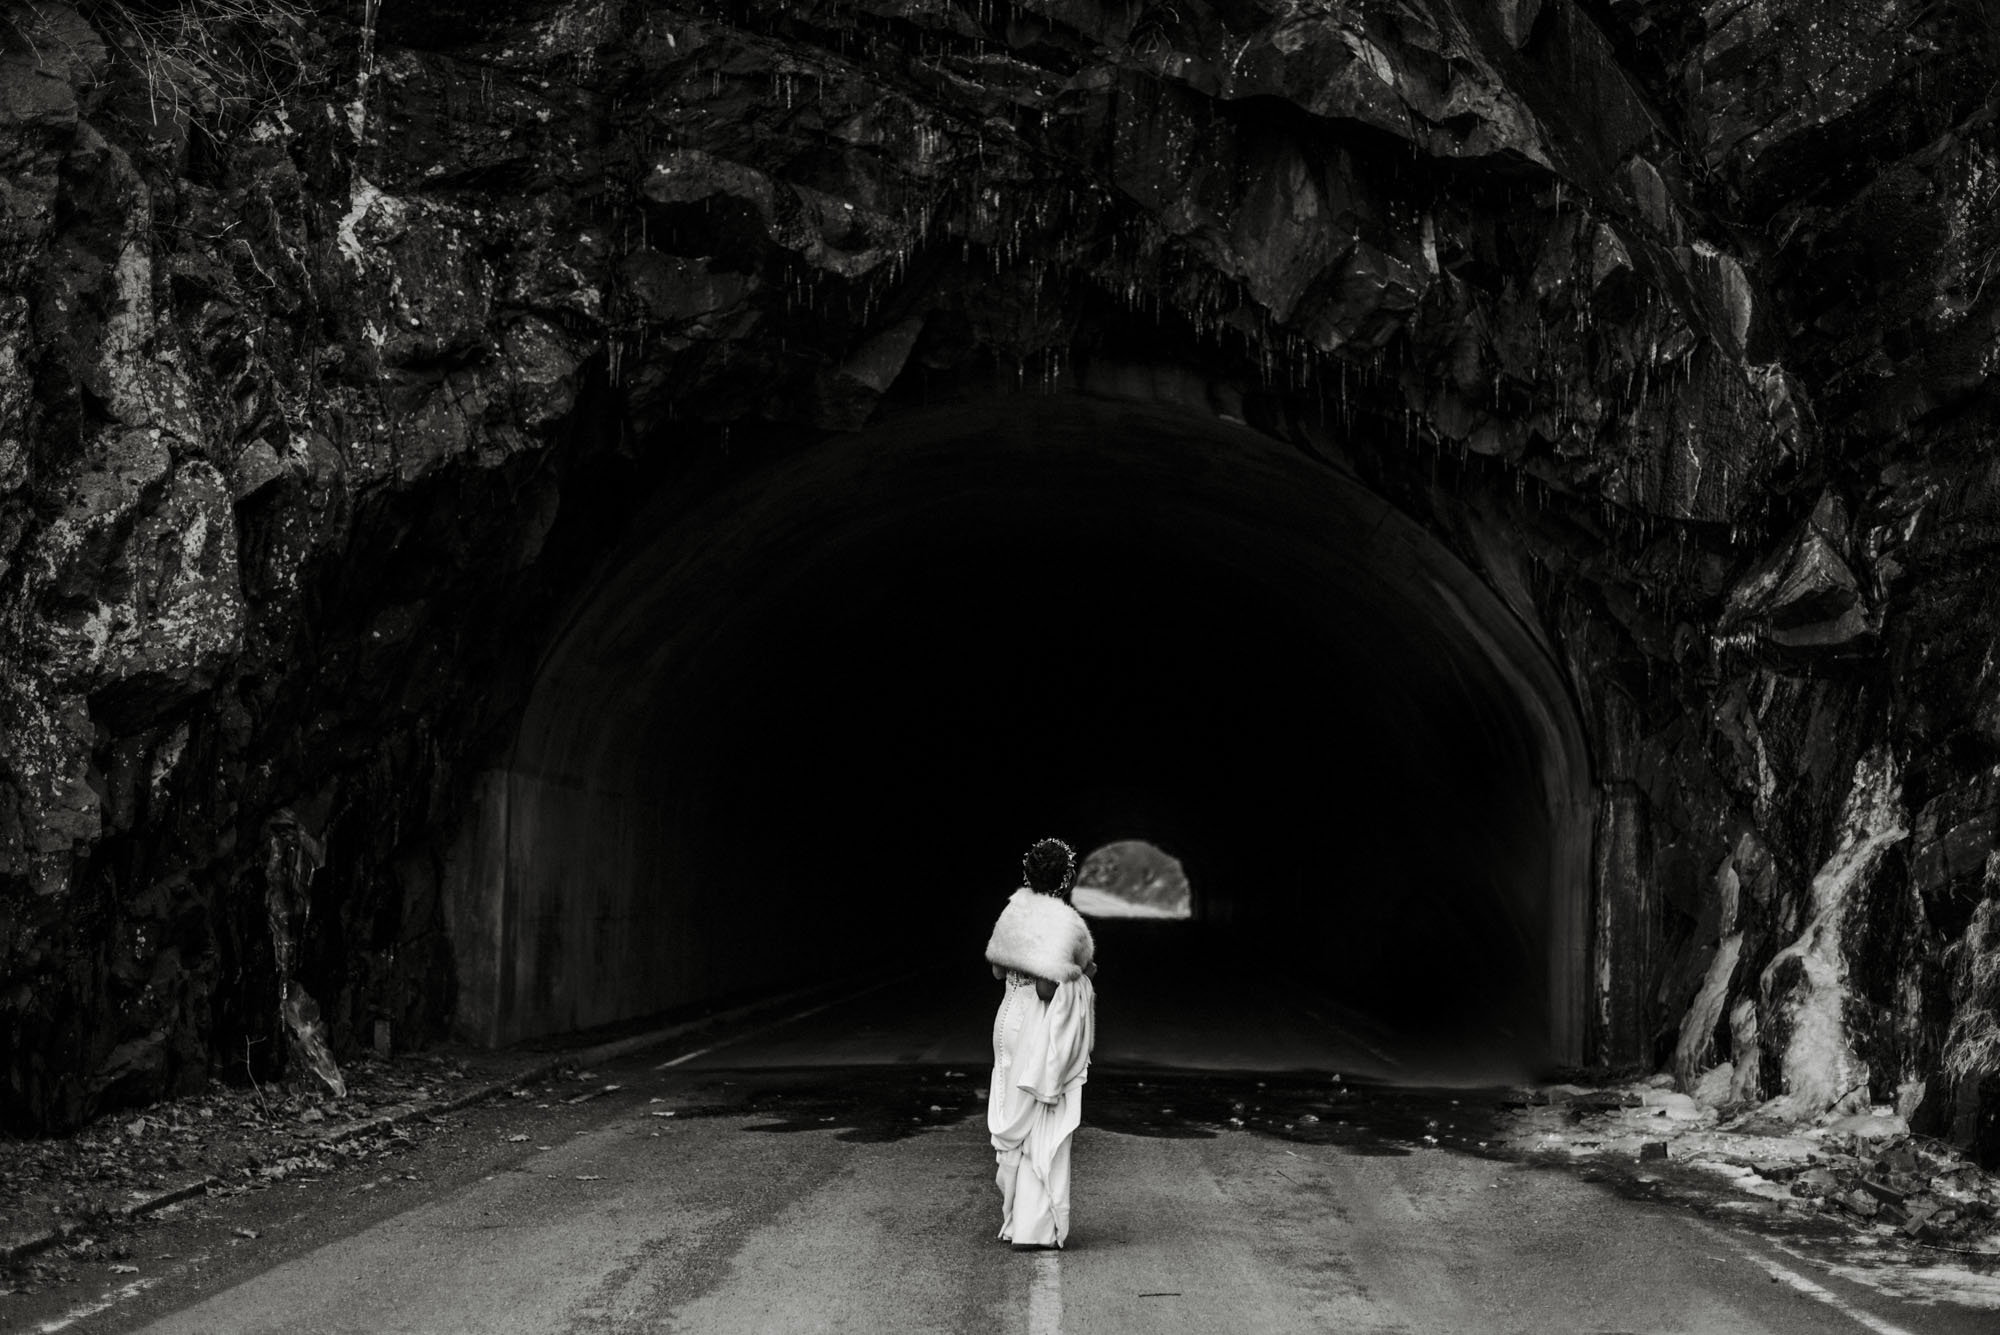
1132 879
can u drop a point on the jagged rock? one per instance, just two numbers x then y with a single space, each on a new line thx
1803 595
292 432
178 611
1859 1202
1884 1192
132 1067
678 289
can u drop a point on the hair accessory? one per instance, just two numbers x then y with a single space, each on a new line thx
1036 865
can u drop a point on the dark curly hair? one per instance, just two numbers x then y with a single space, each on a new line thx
1050 868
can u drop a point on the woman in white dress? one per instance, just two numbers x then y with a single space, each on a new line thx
1042 1037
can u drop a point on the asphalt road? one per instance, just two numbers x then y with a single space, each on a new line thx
830 1173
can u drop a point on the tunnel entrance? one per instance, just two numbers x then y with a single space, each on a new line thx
806 727
1130 878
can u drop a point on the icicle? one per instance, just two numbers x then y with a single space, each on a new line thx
291 856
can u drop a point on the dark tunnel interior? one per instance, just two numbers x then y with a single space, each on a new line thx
811 728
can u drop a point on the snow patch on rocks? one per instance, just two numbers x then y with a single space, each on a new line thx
1806 985
1910 1205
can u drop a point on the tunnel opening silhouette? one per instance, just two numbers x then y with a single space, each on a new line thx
1132 878
804 728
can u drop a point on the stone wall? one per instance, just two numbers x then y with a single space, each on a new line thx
321 389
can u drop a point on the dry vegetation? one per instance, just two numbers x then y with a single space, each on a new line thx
213 66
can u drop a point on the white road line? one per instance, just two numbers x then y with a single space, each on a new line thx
685 1057
1794 1280
90 1309
1045 1306
789 1019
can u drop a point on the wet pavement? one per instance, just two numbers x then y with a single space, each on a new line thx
867 1105
829 1172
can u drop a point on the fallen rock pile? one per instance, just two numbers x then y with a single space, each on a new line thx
1929 1194
1866 1167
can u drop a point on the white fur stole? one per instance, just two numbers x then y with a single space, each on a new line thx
1041 935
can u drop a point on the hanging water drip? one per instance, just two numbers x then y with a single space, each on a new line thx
291 857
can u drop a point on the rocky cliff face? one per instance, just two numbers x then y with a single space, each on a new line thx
336 347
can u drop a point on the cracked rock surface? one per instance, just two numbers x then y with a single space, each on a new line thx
323 386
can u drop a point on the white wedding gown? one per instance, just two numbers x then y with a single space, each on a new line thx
1041 1057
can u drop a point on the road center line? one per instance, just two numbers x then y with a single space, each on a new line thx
1794 1280
685 1057
1045 1305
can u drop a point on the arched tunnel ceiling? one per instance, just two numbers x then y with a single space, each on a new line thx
879 666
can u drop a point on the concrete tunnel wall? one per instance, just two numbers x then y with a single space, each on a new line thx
821 700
